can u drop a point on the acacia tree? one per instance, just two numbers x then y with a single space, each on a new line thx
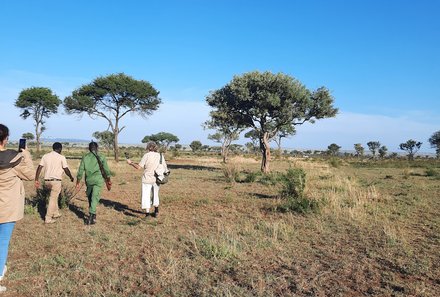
227 129
112 97
411 147
373 146
28 136
164 139
333 149
382 151
267 102
40 103
359 149
196 145
106 138
434 141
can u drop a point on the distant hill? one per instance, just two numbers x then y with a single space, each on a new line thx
70 140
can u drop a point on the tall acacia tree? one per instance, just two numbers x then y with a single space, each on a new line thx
267 102
40 103
112 97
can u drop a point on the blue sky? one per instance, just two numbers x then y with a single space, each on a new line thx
380 59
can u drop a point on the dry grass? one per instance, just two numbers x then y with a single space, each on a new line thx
377 234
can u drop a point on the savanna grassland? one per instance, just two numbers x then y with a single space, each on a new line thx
375 233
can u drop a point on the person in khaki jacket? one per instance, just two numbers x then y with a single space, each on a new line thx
54 164
14 167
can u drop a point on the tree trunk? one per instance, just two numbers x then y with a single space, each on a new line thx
115 144
37 136
225 150
265 151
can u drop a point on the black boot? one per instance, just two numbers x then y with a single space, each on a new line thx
92 219
156 211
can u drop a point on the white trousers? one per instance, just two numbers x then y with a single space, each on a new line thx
146 196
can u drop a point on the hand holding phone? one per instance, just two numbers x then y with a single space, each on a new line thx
21 144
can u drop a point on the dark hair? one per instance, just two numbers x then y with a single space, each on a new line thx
4 132
93 146
57 146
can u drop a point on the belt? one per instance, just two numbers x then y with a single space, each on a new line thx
52 179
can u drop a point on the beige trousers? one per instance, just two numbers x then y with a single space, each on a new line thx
52 207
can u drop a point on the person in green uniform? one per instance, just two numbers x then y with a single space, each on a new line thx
93 178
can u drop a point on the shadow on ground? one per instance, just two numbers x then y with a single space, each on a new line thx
191 167
120 207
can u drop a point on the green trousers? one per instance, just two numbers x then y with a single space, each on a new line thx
94 194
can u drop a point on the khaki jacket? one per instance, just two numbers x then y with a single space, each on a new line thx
11 185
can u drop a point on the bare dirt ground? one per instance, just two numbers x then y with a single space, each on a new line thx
377 234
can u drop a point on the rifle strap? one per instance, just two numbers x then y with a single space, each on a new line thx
101 168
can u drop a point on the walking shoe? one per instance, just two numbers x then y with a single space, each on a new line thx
156 212
147 214
50 221
93 221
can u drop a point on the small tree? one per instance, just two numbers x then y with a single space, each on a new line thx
105 138
39 103
373 146
28 136
267 102
111 98
164 139
359 150
283 133
196 145
333 149
411 147
227 131
383 151
434 141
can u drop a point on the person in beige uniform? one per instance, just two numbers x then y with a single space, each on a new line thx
54 164
14 167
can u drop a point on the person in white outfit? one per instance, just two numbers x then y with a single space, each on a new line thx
150 163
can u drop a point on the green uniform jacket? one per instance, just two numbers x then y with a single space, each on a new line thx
89 165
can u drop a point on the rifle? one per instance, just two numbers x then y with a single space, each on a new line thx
107 180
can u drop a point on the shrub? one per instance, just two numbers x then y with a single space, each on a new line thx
293 184
335 162
251 177
231 172
431 172
271 178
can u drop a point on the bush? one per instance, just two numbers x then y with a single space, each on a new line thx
293 184
231 172
251 177
432 172
335 162
271 178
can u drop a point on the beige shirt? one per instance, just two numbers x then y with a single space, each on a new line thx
53 165
149 162
12 189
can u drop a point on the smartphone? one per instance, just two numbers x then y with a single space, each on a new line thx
21 144
127 156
